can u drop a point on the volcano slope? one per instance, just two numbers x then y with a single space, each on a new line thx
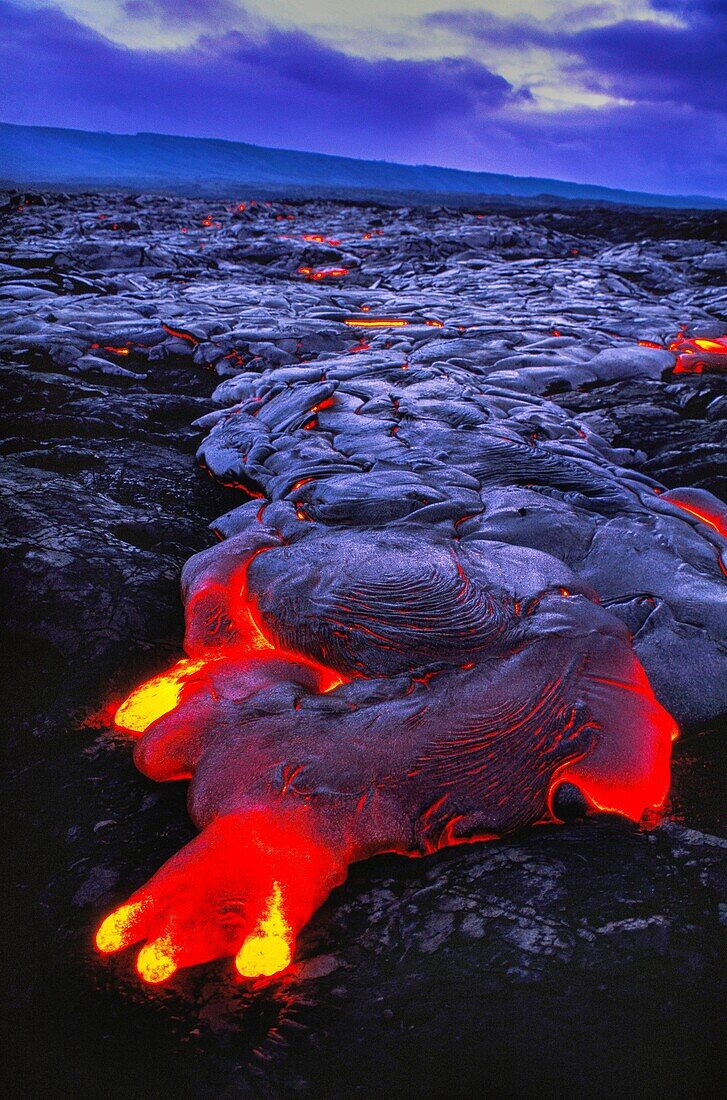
469 468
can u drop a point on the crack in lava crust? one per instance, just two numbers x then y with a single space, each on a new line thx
408 653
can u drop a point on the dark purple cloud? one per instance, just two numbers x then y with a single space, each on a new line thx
647 61
641 60
276 86
287 89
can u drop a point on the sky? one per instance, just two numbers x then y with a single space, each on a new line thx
625 93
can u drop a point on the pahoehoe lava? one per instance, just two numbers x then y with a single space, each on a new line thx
460 585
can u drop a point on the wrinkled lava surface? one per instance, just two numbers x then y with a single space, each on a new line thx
582 959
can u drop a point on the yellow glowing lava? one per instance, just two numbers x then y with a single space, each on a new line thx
710 345
267 950
377 322
156 697
257 639
156 961
113 933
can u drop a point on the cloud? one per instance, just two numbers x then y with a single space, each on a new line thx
645 61
207 13
287 89
268 85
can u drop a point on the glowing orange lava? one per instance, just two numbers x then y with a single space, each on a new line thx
268 949
719 347
376 322
157 696
125 350
116 932
162 693
156 962
254 639
360 346
698 353
616 782
323 273
714 520
190 339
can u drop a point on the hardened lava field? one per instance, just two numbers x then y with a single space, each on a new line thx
444 489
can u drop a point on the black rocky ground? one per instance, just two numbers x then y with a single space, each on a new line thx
582 960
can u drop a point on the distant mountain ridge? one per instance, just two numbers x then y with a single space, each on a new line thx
54 157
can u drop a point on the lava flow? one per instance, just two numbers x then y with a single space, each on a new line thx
267 950
291 781
162 693
157 696
400 645
323 273
698 354
693 502
376 322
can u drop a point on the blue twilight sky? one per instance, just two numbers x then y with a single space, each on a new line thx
628 93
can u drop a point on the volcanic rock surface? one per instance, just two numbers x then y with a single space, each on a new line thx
137 329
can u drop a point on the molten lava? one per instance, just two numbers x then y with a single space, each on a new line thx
244 887
156 962
157 696
113 935
711 517
376 322
699 353
268 949
187 336
323 273
463 705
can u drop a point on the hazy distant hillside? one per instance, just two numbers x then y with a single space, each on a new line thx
38 155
